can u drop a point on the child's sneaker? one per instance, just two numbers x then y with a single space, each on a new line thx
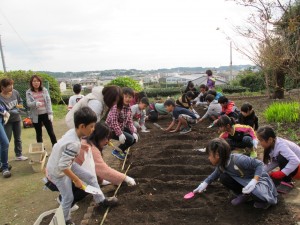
240 199
69 222
186 130
9 168
284 187
21 158
118 154
74 207
261 205
6 173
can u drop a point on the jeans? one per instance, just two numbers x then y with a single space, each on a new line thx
4 144
247 142
129 139
282 162
43 119
15 129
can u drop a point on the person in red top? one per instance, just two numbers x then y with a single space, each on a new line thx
228 107
119 119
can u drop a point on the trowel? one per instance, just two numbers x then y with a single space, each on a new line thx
92 190
158 126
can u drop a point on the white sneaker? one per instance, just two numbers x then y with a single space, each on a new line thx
21 158
105 182
74 208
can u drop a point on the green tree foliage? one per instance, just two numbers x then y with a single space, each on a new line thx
252 80
21 78
126 82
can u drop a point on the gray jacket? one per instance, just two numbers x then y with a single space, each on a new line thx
214 109
31 103
242 169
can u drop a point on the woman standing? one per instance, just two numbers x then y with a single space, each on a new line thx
39 102
12 100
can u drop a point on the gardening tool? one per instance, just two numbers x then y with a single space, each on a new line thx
210 126
92 190
189 195
200 150
158 126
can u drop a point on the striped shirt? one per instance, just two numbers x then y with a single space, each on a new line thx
38 96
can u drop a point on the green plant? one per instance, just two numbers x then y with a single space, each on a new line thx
162 92
283 112
59 111
232 89
126 82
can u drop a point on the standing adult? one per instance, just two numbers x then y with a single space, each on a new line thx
210 80
39 102
100 101
13 101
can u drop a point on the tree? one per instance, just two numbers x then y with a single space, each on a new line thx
126 82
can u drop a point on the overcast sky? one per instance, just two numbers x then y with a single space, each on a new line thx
73 35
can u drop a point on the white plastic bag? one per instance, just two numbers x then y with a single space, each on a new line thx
88 163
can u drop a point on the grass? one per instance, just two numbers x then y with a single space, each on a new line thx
59 111
282 112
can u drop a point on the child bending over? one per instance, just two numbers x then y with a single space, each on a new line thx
59 165
119 119
243 175
138 114
156 110
184 116
238 136
200 99
247 116
214 109
228 107
279 152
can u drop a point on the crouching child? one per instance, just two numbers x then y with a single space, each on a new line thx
138 114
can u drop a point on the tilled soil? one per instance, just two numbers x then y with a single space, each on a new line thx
166 167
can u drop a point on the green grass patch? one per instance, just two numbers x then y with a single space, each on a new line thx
283 112
59 111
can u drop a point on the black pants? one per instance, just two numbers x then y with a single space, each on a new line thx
282 162
129 139
235 186
43 119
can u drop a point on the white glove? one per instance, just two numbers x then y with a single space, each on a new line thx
38 104
130 181
6 116
136 137
122 138
249 187
143 127
255 143
50 117
201 187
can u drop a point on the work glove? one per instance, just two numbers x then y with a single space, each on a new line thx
130 181
136 137
144 129
255 143
50 117
110 202
249 187
6 116
278 175
122 138
201 187
38 104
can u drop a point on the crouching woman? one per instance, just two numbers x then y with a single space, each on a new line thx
243 175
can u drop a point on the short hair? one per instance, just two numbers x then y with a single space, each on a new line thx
204 87
169 102
145 101
77 88
223 100
101 132
209 98
212 92
220 146
128 91
209 72
6 82
39 79
111 94
85 116
246 107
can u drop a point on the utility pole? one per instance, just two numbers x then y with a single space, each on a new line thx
2 56
230 59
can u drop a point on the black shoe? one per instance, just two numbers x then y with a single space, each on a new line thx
9 168
110 202
69 222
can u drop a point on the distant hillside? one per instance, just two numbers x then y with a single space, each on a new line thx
122 72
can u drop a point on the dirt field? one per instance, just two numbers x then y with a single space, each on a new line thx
166 167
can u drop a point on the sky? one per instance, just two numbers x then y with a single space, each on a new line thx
73 35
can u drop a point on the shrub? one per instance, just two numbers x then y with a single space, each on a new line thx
232 89
21 79
126 82
253 81
162 92
283 112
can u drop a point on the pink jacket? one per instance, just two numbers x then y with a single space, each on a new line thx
103 171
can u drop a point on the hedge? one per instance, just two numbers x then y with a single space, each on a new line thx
229 89
156 92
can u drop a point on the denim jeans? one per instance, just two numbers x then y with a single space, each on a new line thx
43 119
15 129
4 143
129 139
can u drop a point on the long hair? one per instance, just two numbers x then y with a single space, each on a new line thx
266 132
225 120
111 95
39 79
101 131
220 146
